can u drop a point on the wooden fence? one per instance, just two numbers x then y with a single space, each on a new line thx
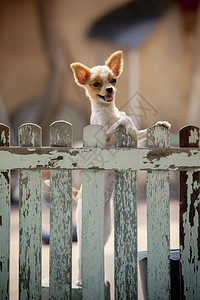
158 158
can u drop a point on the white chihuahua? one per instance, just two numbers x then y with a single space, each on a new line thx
100 85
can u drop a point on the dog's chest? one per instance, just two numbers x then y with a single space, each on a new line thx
104 117
106 120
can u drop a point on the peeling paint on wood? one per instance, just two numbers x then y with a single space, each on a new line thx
125 203
61 220
61 134
30 220
30 135
4 222
93 222
193 136
102 159
158 136
189 221
158 234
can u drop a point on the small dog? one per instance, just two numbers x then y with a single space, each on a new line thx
100 85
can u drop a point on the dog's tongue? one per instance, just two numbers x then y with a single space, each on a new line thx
108 97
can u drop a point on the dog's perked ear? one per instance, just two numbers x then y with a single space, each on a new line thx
81 73
115 63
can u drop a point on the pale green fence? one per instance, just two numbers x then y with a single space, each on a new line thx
126 159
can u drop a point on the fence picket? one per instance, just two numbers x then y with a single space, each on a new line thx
4 221
189 221
30 220
158 228
61 219
125 203
93 220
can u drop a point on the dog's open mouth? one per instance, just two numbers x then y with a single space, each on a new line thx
107 98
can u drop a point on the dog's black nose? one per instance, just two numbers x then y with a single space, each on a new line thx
109 90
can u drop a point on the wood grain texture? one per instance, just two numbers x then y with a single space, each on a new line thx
125 234
30 220
61 219
189 221
158 228
93 221
4 221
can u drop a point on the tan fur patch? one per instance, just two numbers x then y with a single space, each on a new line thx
97 79
112 79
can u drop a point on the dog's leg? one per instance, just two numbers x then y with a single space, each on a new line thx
112 128
142 134
108 195
107 221
164 123
79 236
109 187
128 123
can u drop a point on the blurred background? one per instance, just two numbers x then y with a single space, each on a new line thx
39 39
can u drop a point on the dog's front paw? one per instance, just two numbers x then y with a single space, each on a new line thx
109 132
112 128
133 134
164 123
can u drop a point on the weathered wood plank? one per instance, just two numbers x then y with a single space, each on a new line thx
103 159
93 222
125 238
61 219
4 221
189 221
30 220
158 223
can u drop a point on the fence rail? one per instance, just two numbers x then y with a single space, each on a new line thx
158 158
172 159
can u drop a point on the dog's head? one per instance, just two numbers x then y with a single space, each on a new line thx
100 81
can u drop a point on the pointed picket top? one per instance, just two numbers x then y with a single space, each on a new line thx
61 134
122 139
94 136
4 135
158 136
189 136
30 135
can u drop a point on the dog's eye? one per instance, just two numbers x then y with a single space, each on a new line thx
96 84
113 80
